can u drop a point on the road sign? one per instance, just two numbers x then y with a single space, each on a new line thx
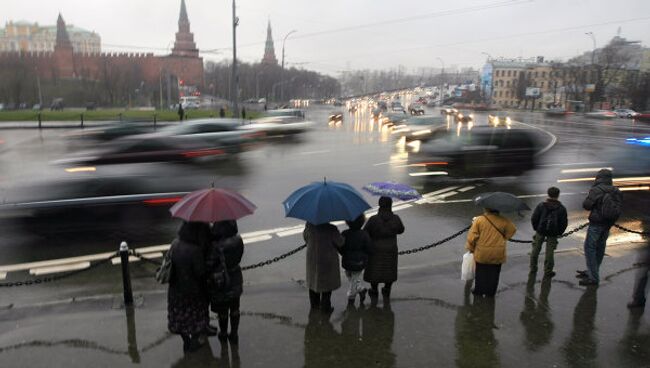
533 92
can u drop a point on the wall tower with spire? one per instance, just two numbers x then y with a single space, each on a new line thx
184 44
269 49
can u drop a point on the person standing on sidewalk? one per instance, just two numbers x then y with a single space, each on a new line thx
487 239
383 229
187 300
355 251
323 269
225 281
605 203
549 221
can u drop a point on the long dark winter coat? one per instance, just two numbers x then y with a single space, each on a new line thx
383 229
356 249
323 269
228 241
187 301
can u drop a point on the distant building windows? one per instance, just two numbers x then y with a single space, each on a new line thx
543 74
508 73
507 83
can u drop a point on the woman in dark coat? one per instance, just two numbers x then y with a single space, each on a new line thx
187 302
226 245
323 270
383 229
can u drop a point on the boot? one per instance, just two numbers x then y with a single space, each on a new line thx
186 343
233 337
223 328
314 299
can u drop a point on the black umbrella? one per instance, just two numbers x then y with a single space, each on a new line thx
500 201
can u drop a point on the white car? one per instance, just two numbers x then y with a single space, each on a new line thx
626 113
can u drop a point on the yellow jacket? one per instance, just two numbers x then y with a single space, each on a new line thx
487 244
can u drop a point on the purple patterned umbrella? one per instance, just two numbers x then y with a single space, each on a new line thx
393 190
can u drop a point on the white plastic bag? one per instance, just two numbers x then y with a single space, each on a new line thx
468 267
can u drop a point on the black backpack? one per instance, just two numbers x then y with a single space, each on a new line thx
548 223
611 205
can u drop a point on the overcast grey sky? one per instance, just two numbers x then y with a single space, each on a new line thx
337 35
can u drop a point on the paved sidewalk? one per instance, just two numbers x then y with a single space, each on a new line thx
430 321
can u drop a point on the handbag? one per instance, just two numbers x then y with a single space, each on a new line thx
164 272
467 267
220 279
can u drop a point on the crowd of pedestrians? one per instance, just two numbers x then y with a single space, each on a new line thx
206 274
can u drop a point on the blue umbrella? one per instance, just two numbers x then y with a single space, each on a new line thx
393 190
322 202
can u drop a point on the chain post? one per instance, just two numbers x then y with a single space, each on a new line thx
126 276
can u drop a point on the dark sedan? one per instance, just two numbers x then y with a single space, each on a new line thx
479 152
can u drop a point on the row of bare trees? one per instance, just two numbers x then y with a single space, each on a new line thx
258 81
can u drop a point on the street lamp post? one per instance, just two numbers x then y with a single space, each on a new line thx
282 71
234 87
442 72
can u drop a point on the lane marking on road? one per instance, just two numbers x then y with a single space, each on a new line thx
314 152
55 262
58 269
250 240
465 189
282 234
431 194
390 162
402 207
550 145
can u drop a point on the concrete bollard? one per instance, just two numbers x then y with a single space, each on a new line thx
39 120
82 120
126 276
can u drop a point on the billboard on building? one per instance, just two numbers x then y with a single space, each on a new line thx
533 92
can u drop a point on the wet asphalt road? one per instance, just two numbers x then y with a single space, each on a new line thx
356 152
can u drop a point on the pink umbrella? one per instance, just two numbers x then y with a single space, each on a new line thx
212 205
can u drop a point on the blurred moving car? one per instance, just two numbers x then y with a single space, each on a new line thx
626 113
107 198
416 109
499 119
643 116
601 114
110 132
448 111
418 127
276 126
136 149
396 106
557 111
295 113
466 119
479 152
335 118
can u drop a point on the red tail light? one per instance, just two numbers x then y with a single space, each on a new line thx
161 201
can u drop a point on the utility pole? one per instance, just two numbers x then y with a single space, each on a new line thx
38 84
234 87
593 58
442 72
282 70
160 88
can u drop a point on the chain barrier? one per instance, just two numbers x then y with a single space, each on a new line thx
576 229
432 245
46 279
273 260
140 256
621 227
